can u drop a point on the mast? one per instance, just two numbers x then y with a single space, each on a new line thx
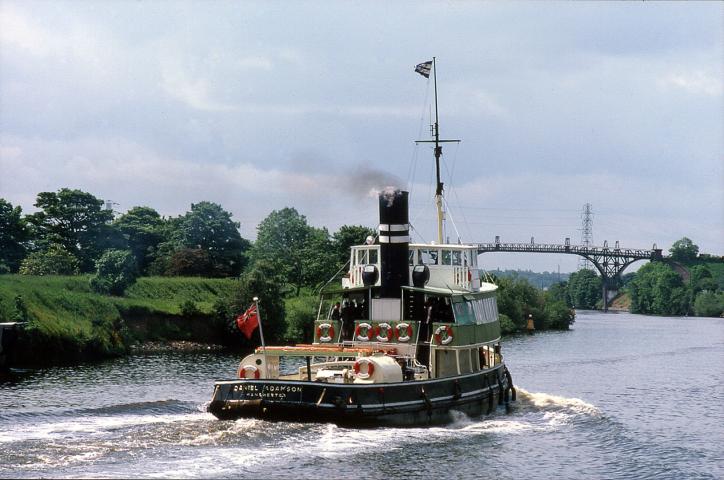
438 153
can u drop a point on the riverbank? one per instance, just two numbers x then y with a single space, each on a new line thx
67 322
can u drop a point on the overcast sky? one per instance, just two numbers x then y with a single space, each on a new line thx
258 106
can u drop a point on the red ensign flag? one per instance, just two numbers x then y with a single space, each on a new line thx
248 321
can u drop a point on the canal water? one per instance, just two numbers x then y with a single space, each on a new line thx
618 396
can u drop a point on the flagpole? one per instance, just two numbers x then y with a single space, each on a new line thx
261 334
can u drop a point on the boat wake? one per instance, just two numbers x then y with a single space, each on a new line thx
131 432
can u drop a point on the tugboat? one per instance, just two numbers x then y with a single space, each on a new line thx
411 334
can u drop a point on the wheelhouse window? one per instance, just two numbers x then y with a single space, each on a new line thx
457 257
427 257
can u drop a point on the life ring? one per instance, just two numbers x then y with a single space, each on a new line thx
358 369
330 332
389 332
250 370
403 337
368 333
449 334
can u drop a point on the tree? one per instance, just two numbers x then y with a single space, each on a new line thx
189 262
684 250
517 299
143 229
658 289
209 227
257 281
558 292
319 261
709 304
14 234
558 315
77 221
280 241
55 260
584 289
115 271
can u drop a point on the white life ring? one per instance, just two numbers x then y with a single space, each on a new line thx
403 327
329 328
448 334
358 370
368 334
248 371
389 332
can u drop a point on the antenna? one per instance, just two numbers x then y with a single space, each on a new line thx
435 130
586 235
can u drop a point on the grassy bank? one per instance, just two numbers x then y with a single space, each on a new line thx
68 322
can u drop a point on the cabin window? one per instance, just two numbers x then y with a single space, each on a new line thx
373 256
428 257
412 257
464 359
457 258
446 363
446 257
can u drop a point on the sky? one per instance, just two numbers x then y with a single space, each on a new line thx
262 105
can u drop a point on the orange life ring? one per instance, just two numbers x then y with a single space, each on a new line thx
370 368
408 332
389 332
330 332
250 369
368 334
448 334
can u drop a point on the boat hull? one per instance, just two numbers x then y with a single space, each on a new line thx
408 403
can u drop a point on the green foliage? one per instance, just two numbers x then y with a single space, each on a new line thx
318 260
558 315
69 322
584 289
257 281
189 262
76 220
709 304
300 314
204 242
506 325
188 308
558 292
115 271
209 227
143 229
537 279
281 240
658 289
14 234
56 260
684 250
517 299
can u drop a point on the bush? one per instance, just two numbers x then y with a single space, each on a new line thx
709 304
188 308
506 324
56 260
301 312
115 271
558 315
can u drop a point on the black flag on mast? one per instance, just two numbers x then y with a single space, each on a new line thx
424 69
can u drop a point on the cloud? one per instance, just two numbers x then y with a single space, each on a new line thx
697 82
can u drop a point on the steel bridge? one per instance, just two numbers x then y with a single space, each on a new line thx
609 262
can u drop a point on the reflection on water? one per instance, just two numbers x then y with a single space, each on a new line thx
620 396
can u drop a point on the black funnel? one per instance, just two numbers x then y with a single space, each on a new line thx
394 242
